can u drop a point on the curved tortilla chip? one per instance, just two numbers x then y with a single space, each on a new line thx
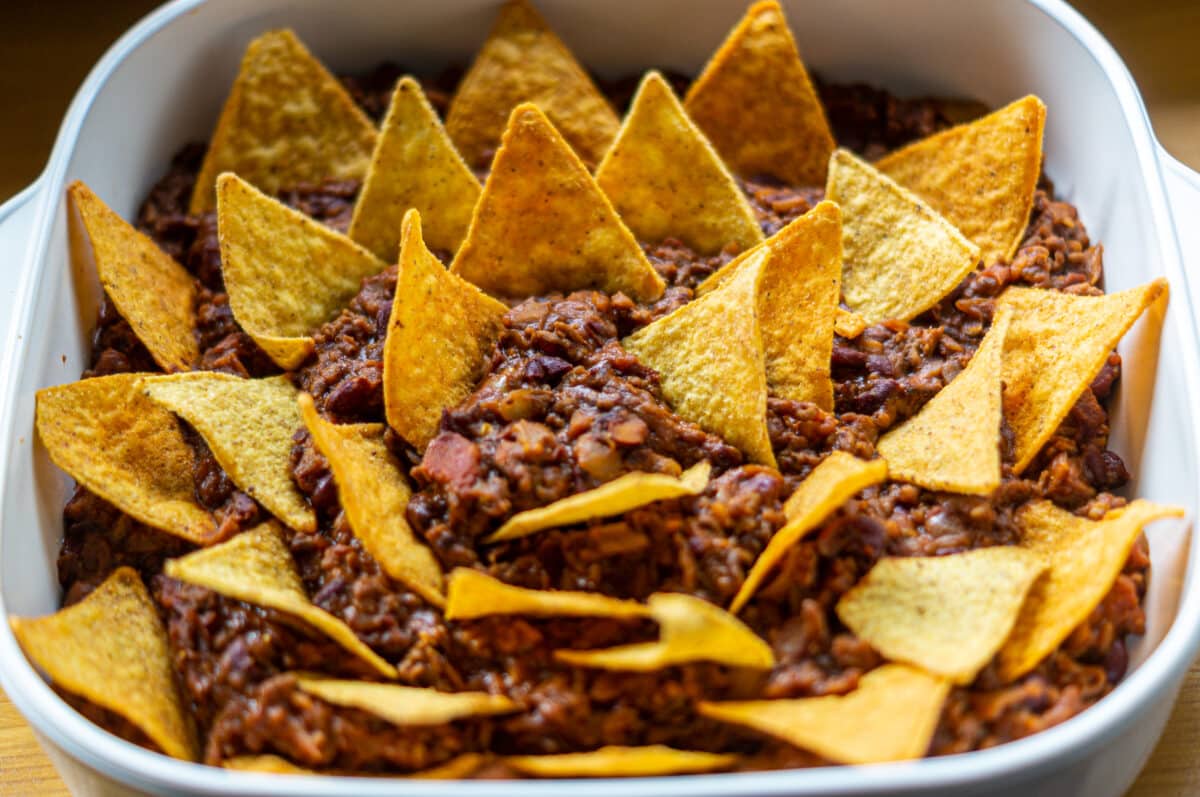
406 705
440 335
543 225
524 61
981 176
287 121
248 424
471 594
1084 557
151 291
891 716
374 495
665 179
945 614
414 167
266 764
1056 345
257 568
458 768
111 649
832 483
285 273
126 449
755 102
901 257
611 498
621 762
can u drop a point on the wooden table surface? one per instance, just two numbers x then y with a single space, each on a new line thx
1156 39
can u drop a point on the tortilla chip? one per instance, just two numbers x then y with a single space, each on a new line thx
849 325
945 614
901 257
981 176
285 273
461 767
1056 345
755 102
665 179
406 705
611 498
690 629
1084 557
471 594
441 333
287 121
414 166
248 424
953 442
891 716
458 768
524 61
111 649
126 449
257 568
266 764
621 762
832 483
374 495
543 225
709 355
151 291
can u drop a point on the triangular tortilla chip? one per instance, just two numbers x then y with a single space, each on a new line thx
543 225
665 179
953 442
901 257
111 649
414 166
126 449
266 764
440 335
256 567
891 716
945 614
832 483
406 705
460 767
690 630
151 291
285 273
755 102
374 495
1084 557
611 498
524 61
471 594
1056 345
621 762
981 176
287 121
248 424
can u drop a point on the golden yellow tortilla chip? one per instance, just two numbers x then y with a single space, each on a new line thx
257 568
458 768
415 166
945 614
832 483
1084 558
901 257
406 705
1056 345
285 273
611 498
849 325
755 102
461 767
248 424
441 333
286 121
690 629
152 292
953 442
471 594
111 649
126 449
524 61
374 495
621 762
266 764
891 716
665 179
542 224
981 176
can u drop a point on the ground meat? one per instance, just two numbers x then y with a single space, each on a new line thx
116 348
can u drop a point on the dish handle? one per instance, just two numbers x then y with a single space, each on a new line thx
16 225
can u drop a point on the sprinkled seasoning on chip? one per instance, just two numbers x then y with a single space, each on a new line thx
618 762
406 705
471 594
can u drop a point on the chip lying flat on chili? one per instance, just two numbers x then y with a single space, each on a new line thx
618 762
406 705
471 594
457 768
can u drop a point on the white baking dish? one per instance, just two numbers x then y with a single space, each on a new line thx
162 85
